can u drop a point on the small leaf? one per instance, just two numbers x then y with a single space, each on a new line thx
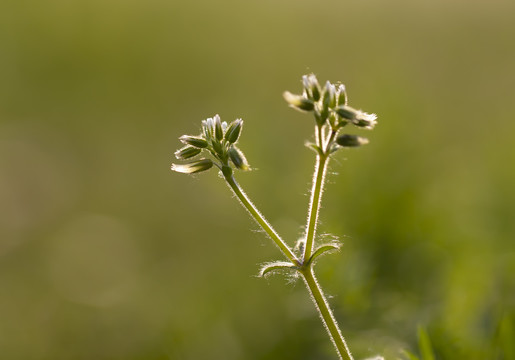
324 249
315 148
275 266
424 344
409 355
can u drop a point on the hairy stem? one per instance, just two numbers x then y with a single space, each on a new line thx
314 204
254 212
325 313
317 189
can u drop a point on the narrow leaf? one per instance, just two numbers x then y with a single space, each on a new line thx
409 355
324 249
315 148
275 266
424 344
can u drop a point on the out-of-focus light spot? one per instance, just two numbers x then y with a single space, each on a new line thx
94 261
37 184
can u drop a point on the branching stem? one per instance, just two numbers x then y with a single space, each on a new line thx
260 219
306 272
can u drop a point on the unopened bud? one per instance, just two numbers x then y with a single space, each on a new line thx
233 131
347 140
329 95
195 141
209 129
238 158
364 120
347 112
219 133
311 86
217 147
298 102
357 117
187 152
193 167
321 116
341 95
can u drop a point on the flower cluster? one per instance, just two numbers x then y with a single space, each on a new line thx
330 108
218 139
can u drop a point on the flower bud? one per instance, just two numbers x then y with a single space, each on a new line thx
347 112
321 116
187 152
219 133
347 140
238 158
209 128
341 95
193 167
329 95
217 147
298 102
233 131
311 86
195 141
364 120
357 117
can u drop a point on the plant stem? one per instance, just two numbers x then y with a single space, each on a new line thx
316 191
314 204
260 219
325 313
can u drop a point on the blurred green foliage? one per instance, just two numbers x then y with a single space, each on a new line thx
107 254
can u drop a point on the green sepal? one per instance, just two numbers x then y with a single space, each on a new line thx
219 133
217 147
329 99
311 86
321 115
276 266
233 131
341 95
238 159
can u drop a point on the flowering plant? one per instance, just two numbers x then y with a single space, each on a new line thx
218 141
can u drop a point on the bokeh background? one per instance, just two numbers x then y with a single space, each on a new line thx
107 254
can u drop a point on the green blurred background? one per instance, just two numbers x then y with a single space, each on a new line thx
107 254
